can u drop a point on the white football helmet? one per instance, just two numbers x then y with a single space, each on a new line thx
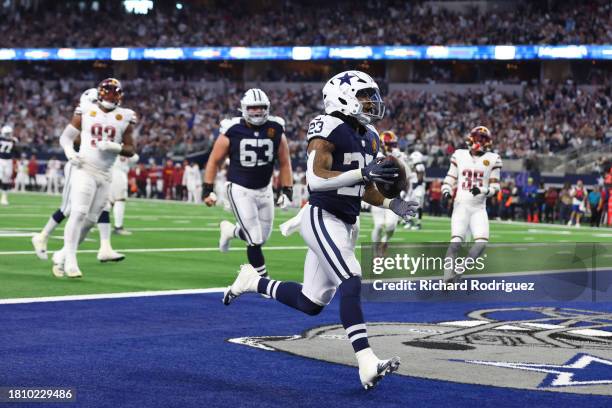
88 97
354 93
416 157
255 98
7 131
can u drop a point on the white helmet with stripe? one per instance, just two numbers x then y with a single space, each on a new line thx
255 98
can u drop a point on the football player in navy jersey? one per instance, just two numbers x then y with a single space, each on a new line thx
8 144
253 143
341 169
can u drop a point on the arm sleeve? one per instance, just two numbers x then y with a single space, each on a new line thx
67 139
316 183
450 181
494 186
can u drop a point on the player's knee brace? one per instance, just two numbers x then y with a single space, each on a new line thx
351 287
308 306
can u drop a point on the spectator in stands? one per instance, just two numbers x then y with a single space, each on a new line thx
515 200
550 203
578 194
168 180
529 201
595 205
565 203
435 198
141 174
32 173
504 201
177 181
294 22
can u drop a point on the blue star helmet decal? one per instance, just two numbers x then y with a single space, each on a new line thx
346 79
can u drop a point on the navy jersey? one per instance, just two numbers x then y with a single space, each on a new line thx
7 146
352 150
252 150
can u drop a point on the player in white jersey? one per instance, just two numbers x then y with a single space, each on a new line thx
475 172
119 190
192 179
53 169
105 130
416 186
21 176
385 220
7 150
39 241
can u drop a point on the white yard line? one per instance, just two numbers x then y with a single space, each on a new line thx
110 296
140 250
137 217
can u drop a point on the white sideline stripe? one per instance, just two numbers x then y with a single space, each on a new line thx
137 250
213 228
137 217
150 293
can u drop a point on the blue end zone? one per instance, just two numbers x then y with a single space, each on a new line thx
172 351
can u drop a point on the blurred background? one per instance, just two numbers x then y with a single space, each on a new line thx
538 74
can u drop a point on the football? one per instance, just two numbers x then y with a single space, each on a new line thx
393 190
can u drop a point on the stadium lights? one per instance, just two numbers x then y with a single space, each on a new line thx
138 6
301 53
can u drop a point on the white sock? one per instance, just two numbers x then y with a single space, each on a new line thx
376 233
72 233
388 234
118 212
105 233
3 195
49 227
365 356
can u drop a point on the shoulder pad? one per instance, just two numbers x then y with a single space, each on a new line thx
130 115
373 129
322 126
495 159
226 124
277 119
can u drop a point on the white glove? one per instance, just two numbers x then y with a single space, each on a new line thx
285 197
108 146
73 158
283 201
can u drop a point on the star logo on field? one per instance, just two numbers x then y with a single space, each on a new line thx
582 369
346 79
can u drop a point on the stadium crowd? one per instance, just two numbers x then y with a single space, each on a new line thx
293 22
181 118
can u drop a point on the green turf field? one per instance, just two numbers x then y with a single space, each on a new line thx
174 246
